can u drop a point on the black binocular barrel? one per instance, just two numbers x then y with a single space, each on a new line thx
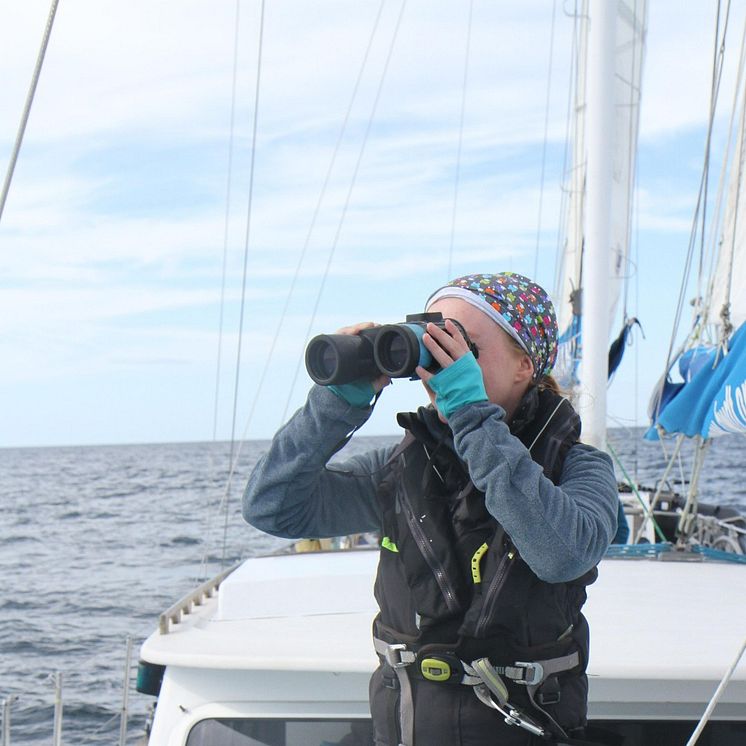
341 358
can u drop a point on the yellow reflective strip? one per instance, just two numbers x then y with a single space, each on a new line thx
386 543
476 574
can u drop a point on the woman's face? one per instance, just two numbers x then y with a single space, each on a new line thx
506 371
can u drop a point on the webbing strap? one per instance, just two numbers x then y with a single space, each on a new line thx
490 676
398 658
535 672
483 676
558 665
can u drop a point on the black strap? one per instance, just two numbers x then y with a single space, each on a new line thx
392 708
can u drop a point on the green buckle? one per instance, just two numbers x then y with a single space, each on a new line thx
435 669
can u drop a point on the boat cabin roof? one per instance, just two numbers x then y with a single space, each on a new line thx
313 612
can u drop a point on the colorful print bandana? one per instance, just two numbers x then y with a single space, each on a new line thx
521 307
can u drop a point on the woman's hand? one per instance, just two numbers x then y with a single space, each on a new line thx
380 382
459 381
445 345
357 328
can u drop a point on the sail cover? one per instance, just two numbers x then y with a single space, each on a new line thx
712 400
630 36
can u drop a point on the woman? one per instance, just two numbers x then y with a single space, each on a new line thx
492 516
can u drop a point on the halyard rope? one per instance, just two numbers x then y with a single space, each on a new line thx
27 106
716 697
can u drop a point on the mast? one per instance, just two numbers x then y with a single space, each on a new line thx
600 140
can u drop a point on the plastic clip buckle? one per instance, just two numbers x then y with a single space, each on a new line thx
397 655
533 673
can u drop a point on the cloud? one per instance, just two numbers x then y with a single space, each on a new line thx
114 229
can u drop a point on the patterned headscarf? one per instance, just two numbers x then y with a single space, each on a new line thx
521 307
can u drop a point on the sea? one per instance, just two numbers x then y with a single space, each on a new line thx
96 541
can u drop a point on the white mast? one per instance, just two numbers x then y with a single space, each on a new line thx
600 138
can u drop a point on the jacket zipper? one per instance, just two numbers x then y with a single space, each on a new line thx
496 585
430 557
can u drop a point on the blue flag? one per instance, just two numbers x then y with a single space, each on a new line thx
712 400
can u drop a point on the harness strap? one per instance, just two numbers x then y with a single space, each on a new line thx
484 678
398 658
533 674
558 728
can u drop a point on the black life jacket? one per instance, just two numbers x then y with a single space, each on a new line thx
449 574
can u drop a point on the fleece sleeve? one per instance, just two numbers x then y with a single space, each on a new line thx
293 493
562 530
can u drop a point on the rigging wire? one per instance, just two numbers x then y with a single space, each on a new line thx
299 264
27 106
457 178
708 145
714 91
715 222
559 262
634 121
234 454
727 326
317 210
662 482
229 180
228 189
346 205
647 509
718 52
245 268
546 137
636 384
632 217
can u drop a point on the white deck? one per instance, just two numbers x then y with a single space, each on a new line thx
662 633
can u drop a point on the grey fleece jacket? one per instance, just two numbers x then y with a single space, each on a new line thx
561 531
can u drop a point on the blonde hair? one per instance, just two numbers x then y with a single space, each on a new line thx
547 382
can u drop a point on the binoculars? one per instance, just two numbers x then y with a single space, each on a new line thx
394 350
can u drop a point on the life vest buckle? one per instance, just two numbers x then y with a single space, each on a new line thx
532 674
397 655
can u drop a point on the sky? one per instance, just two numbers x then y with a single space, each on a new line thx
128 201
